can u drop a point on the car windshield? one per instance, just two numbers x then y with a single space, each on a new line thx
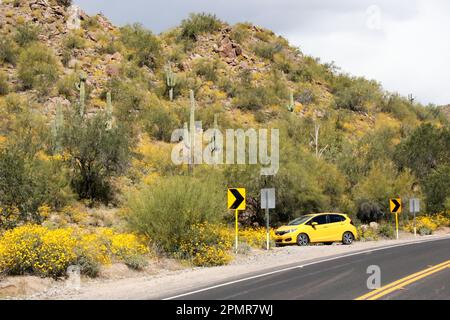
299 221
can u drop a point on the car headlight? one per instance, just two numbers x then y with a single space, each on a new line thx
291 230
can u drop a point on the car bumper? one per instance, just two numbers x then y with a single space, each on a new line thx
288 238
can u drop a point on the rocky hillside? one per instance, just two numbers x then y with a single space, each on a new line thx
215 64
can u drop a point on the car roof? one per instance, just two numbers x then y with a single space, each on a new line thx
319 214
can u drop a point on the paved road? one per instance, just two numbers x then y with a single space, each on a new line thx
346 277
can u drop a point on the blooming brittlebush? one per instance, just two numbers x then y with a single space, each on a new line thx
33 249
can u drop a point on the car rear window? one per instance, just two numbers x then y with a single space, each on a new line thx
336 218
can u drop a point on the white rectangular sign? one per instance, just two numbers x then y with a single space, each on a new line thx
414 205
268 198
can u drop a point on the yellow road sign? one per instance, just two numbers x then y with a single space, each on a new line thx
236 198
395 205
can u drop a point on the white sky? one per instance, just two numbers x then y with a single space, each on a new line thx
404 44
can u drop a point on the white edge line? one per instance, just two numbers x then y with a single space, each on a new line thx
301 266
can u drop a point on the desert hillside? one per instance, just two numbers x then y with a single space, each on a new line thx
87 111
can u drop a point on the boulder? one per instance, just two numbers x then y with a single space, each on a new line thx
228 49
73 17
112 70
373 225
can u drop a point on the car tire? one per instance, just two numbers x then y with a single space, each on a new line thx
328 243
302 239
348 238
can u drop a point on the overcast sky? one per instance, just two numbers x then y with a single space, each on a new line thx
404 44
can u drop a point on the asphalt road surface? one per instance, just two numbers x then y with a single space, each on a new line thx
414 271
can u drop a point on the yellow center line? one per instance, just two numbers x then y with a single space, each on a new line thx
396 285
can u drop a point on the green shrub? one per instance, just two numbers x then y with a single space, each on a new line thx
267 50
424 231
425 149
66 56
95 154
37 68
159 122
240 32
14 103
144 47
400 107
73 41
88 266
369 211
90 23
199 23
136 262
167 210
8 50
207 69
64 3
129 98
253 97
227 85
386 230
28 181
26 34
437 189
355 94
284 63
4 86
66 86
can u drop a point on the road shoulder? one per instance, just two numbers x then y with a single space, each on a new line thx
173 283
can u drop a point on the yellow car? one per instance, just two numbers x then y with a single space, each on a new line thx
317 228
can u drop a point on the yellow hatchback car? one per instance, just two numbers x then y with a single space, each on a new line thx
317 228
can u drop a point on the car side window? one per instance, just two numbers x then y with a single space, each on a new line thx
334 218
320 219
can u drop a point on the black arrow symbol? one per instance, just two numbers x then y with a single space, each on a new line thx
239 199
397 205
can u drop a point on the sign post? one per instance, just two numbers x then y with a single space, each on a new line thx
236 225
414 207
268 202
396 207
236 201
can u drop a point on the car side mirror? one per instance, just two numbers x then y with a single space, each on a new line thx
314 224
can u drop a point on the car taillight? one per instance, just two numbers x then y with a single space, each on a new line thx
351 222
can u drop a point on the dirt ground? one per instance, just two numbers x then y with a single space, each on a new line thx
167 277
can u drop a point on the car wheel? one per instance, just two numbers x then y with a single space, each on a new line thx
302 239
328 243
348 238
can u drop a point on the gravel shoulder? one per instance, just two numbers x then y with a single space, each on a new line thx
174 280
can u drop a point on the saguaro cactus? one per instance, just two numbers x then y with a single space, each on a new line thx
171 80
291 105
57 126
192 131
109 111
81 87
